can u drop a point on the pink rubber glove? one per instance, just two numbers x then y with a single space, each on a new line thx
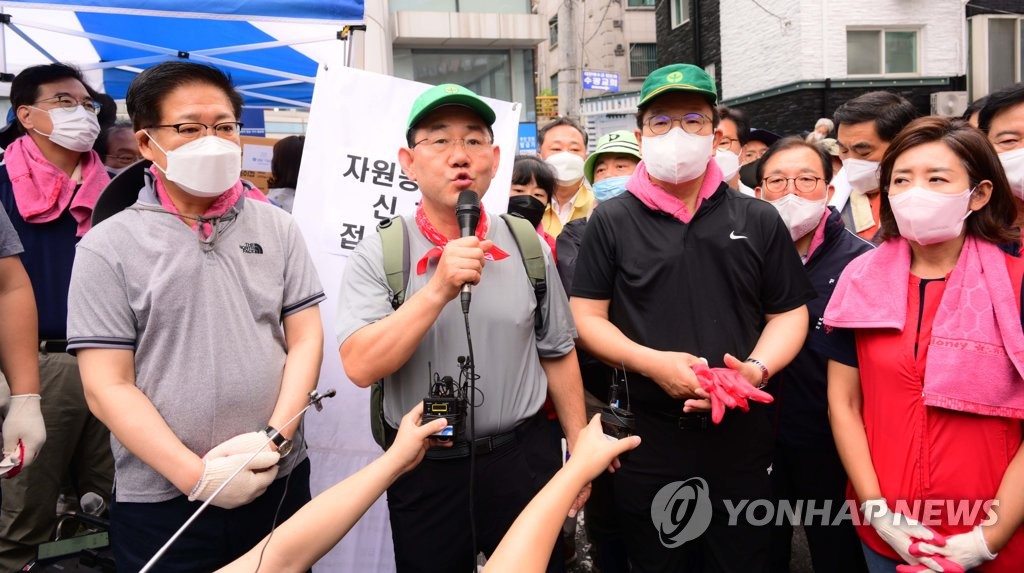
707 382
740 388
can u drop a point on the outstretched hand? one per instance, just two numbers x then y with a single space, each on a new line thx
413 439
594 451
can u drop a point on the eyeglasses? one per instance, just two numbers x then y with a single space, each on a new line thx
778 184
692 123
442 145
726 143
193 130
125 158
69 103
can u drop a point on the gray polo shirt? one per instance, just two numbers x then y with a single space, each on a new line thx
512 385
204 319
10 244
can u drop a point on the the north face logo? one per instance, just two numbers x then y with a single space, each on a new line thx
252 248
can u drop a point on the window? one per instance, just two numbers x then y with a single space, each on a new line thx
1001 35
641 4
643 59
553 32
881 52
996 53
680 10
554 84
488 73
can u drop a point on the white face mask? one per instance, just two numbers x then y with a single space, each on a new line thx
862 174
928 217
75 129
677 156
1013 165
568 167
204 167
800 215
728 162
115 171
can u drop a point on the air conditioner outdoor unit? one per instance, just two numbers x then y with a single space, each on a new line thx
619 50
616 23
950 104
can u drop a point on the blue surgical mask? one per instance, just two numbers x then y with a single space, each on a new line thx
611 187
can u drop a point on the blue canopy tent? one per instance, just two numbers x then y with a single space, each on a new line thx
269 66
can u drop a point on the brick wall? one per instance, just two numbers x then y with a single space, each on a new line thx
676 45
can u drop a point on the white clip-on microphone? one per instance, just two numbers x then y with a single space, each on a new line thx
315 399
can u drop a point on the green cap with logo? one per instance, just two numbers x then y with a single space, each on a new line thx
615 142
448 94
678 77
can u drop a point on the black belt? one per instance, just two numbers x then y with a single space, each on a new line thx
696 422
53 346
482 446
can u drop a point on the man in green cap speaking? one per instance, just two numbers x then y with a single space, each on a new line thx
518 360
678 268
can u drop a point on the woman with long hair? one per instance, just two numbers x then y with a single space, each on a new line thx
926 402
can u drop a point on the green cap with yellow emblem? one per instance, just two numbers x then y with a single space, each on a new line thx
448 94
678 77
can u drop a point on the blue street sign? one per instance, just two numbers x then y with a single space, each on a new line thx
603 81
527 137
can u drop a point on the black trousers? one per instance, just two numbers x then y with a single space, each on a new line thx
732 458
815 474
429 506
218 537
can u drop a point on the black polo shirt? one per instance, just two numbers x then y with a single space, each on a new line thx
702 287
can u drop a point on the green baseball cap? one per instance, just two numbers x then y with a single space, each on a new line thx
448 94
678 77
615 142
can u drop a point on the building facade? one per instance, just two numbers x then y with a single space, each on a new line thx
610 36
788 63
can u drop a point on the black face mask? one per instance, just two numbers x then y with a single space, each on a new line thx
527 207
748 174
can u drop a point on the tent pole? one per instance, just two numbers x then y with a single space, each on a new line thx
32 43
3 42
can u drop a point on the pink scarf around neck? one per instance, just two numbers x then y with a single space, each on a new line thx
657 199
43 191
216 209
976 354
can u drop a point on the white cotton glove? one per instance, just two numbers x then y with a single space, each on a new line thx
24 423
896 529
248 443
966 550
249 484
5 396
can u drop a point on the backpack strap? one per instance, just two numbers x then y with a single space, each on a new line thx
394 240
528 242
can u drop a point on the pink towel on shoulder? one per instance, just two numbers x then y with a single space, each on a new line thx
42 190
657 199
976 354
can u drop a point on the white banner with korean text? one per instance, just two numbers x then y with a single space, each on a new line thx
349 181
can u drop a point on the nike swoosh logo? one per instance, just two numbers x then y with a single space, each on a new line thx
734 236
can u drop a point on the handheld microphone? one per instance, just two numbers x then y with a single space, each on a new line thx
467 213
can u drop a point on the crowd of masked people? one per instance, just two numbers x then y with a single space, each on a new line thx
830 319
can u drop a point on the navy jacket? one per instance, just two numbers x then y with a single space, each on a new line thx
800 389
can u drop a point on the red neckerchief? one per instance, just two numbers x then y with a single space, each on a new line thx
439 240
